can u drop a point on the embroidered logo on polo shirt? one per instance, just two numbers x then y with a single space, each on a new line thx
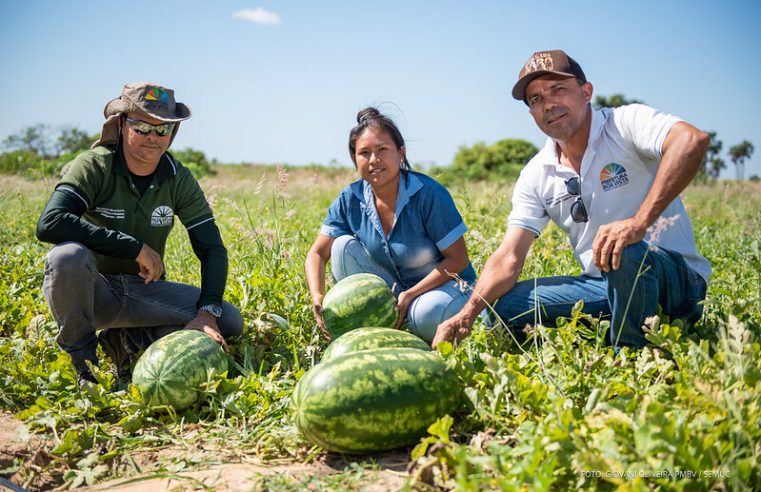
613 176
162 216
110 213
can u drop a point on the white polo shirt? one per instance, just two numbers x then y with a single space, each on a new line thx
619 166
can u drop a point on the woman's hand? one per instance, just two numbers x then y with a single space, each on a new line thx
314 267
317 310
402 306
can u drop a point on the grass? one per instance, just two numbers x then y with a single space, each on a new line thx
562 412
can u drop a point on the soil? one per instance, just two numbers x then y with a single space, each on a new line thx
25 461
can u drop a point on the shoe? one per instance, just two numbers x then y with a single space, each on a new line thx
111 342
84 377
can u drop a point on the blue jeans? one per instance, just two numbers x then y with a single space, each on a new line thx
83 301
425 313
648 276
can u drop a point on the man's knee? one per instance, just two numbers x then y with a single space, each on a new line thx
633 257
231 322
68 256
514 309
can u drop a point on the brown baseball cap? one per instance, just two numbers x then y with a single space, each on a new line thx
144 98
555 62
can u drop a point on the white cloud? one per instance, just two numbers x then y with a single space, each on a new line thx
258 16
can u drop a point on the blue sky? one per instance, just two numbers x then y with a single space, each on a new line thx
282 80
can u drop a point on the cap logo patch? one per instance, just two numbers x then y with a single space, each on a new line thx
613 176
162 216
540 61
157 97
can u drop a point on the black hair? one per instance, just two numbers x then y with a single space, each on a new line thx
372 117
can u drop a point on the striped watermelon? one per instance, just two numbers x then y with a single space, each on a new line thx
372 338
358 300
374 400
172 369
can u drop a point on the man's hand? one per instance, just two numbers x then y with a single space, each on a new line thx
207 323
454 330
611 239
151 266
402 306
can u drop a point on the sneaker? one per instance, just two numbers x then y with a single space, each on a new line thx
111 342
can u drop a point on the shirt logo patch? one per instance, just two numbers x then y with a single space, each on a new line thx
110 213
613 176
162 216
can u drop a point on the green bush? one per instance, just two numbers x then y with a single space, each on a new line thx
503 160
195 160
19 162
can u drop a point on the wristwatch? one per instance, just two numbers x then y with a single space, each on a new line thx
214 309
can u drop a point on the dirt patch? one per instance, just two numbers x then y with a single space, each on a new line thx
23 457
381 472
246 477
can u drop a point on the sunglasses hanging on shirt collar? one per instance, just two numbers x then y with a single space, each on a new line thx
578 210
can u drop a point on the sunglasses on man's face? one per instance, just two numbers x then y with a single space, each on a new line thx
578 210
145 129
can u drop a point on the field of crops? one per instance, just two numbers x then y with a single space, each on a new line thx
561 412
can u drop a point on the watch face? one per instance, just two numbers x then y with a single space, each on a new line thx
216 311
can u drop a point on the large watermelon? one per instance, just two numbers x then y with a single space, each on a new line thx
372 338
358 300
374 400
172 369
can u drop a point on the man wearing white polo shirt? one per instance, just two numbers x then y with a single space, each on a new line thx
611 180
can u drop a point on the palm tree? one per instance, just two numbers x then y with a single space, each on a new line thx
739 153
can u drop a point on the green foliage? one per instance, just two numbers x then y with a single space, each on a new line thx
503 160
35 152
35 139
72 140
613 101
560 411
195 160
739 154
712 163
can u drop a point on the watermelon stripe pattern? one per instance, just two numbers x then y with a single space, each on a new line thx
358 300
173 368
374 400
372 338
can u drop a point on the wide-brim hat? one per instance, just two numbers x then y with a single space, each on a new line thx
552 62
143 98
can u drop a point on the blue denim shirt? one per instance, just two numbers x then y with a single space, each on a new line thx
427 222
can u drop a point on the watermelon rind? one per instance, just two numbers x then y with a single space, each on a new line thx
171 371
369 338
374 400
356 301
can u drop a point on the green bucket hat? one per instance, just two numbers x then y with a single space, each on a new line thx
144 98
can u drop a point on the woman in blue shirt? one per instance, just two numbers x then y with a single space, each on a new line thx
398 224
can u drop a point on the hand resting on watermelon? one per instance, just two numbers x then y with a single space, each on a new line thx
207 323
151 266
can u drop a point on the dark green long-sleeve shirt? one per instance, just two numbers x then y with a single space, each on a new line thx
97 204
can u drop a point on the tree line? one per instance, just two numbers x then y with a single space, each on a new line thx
713 163
506 158
40 150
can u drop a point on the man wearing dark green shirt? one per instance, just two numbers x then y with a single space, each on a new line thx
109 218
